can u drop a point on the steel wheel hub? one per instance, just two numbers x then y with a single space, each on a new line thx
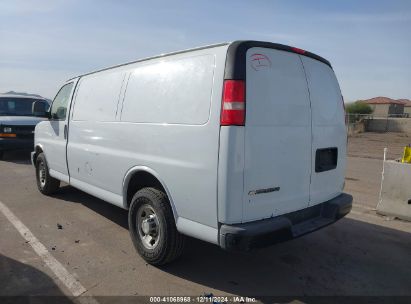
42 174
148 226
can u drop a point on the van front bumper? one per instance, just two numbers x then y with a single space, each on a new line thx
266 232
16 143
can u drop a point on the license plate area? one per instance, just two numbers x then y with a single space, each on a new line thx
326 159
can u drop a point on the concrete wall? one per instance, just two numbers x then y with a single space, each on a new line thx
396 191
357 127
388 125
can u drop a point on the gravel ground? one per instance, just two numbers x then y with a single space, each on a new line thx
371 145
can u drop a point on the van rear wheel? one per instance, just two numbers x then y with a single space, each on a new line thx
152 227
45 183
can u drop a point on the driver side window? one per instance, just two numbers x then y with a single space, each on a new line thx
59 107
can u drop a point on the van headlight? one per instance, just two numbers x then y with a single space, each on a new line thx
7 130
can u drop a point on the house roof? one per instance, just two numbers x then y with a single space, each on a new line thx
407 102
386 100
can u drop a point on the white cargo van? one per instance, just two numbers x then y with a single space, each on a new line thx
238 144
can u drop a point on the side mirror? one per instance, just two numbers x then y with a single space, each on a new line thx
39 108
48 114
61 112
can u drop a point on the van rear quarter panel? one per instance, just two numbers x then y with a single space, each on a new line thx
182 150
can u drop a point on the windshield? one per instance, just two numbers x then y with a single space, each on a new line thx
15 106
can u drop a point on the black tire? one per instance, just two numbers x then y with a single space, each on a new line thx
169 243
45 183
1 155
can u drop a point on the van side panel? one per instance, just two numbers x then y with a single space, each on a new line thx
89 152
329 130
172 92
170 127
180 143
97 96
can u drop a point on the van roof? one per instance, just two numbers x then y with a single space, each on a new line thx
154 57
236 51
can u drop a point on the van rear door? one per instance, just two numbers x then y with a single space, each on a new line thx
328 130
278 149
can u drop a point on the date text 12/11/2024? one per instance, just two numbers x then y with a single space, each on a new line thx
202 299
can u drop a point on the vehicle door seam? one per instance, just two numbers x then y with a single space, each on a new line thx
119 95
124 94
74 94
311 122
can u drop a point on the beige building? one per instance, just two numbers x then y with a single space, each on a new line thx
384 106
407 108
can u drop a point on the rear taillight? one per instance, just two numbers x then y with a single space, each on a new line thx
233 103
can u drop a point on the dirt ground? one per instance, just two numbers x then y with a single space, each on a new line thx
371 145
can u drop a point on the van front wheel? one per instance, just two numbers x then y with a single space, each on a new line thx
152 227
45 182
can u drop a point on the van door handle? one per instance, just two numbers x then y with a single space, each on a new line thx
65 131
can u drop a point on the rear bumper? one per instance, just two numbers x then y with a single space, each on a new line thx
16 143
284 227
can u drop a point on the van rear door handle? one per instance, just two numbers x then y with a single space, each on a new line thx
65 131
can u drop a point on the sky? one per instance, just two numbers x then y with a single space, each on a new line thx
45 42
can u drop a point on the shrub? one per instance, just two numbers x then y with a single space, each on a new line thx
356 109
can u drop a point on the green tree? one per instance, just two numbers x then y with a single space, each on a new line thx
356 109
